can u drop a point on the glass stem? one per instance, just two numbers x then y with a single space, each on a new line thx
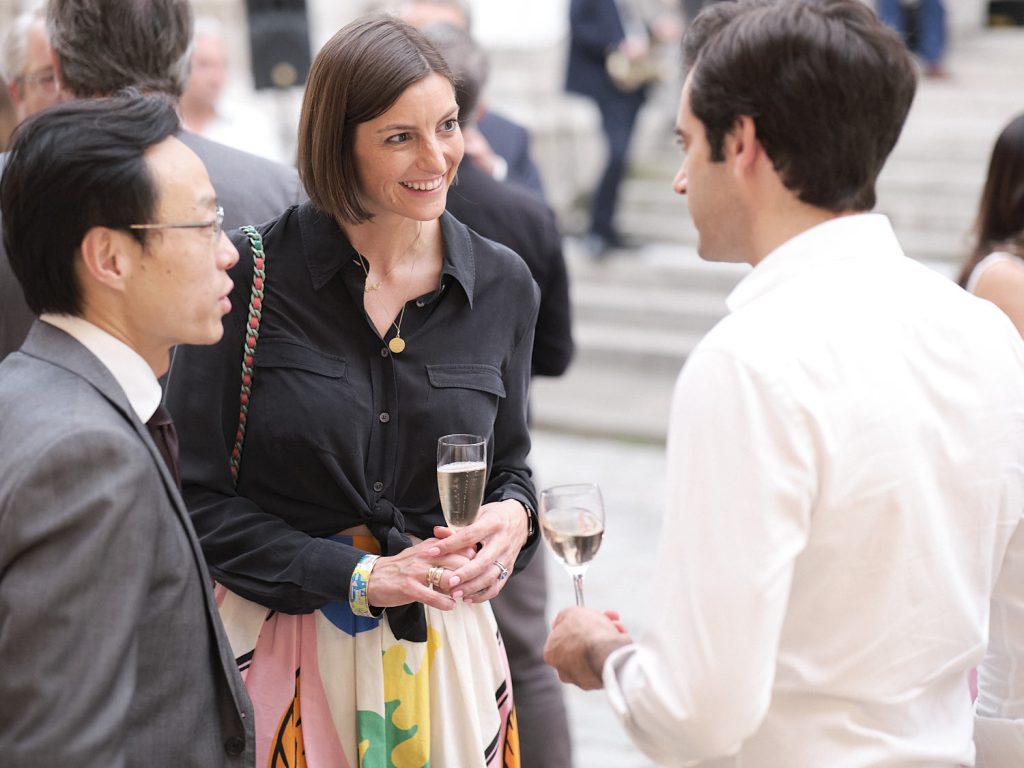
577 585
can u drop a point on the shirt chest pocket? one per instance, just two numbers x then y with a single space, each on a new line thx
469 392
295 388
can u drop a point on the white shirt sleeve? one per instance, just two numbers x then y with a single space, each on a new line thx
999 712
741 484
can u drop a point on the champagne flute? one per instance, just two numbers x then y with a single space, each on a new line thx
461 477
572 521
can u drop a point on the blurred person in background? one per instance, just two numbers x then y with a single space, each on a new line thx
383 323
102 46
922 25
600 31
995 269
205 111
27 61
8 118
513 216
498 145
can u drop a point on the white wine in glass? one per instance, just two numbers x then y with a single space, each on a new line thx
572 521
461 477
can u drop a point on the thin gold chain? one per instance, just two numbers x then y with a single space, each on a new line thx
367 288
397 344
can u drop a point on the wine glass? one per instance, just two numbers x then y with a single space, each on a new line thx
461 477
572 521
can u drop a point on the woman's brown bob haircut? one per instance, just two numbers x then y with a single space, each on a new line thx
357 76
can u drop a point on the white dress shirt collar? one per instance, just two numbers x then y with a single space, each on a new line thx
857 236
124 363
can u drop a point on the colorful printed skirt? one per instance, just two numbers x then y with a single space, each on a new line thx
335 690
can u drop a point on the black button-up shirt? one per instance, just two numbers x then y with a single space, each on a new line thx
341 432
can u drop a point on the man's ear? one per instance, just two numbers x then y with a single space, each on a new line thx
106 256
15 93
743 145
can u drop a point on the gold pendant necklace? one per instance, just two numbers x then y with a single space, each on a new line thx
397 343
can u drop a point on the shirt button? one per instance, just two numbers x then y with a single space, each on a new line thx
419 302
378 486
383 351
234 745
385 417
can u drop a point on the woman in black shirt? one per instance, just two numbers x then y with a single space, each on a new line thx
383 324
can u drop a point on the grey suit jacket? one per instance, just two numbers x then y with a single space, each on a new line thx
251 189
111 649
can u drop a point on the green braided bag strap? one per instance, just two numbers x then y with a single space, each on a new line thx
252 335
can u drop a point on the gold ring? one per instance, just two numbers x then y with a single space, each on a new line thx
434 575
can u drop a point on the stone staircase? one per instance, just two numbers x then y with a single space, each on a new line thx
637 315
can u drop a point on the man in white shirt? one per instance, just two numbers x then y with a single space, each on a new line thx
113 652
846 449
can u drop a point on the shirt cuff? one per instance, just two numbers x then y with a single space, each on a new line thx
998 742
613 665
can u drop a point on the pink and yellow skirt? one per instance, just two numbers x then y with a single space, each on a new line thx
335 690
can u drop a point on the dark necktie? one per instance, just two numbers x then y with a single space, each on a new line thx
161 429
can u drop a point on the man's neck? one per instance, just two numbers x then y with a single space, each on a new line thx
157 357
781 225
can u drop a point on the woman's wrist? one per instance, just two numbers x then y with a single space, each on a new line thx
527 515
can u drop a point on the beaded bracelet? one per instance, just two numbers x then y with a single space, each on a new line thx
359 584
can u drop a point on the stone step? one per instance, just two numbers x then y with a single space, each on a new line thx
604 401
657 264
650 309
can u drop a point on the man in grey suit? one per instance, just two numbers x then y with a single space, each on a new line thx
113 653
102 46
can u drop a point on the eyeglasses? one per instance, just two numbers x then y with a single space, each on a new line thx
44 80
216 226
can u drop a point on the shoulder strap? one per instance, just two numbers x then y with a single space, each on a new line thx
252 334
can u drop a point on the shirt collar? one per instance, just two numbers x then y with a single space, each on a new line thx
321 233
859 236
127 367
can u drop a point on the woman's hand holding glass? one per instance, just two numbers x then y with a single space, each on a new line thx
501 530
403 578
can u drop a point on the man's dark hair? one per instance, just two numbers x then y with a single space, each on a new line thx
103 46
76 166
357 76
467 61
827 85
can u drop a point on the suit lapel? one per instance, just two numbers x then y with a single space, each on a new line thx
54 346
